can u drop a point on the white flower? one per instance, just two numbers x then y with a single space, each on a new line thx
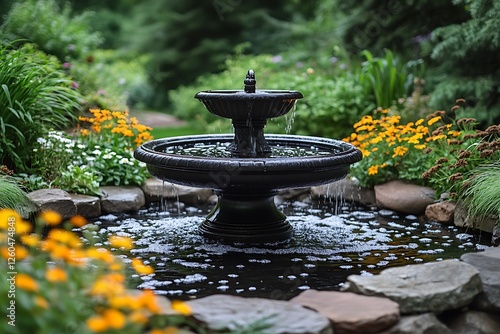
107 156
41 141
96 152
80 146
123 161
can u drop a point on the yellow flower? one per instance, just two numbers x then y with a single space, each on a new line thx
181 307
399 151
19 252
78 221
97 324
41 302
31 240
84 132
114 318
166 330
373 170
433 120
51 217
100 254
123 302
121 242
141 268
148 300
65 237
56 275
25 282
11 219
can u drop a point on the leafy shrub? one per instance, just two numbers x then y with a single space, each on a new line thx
111 80
100 153
66 272
52 28
35 95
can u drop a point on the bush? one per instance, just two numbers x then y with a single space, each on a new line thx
35 95
12 196
100 153
52 28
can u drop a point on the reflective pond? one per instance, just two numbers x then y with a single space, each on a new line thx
328 245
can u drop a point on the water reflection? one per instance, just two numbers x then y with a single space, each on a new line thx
325 249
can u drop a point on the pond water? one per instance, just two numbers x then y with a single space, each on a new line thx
329 244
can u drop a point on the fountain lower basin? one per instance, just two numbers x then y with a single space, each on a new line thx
246 211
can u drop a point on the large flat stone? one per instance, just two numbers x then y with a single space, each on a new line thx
420 288
87 206
54 199
488 264
426 323
350 312
224 312
404 197
121 199
462 219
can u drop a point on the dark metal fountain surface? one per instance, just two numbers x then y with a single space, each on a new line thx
248 168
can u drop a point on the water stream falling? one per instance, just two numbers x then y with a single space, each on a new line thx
328 245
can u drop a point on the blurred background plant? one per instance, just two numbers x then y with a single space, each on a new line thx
53 278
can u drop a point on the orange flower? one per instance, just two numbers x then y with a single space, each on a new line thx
181 307
26 282
141 268
19 252
51 217
31 240
56 275
41 302
121 242
78 221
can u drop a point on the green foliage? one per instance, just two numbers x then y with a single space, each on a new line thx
469 66
112 80
35 95
13 197
482 195
384 78
52 28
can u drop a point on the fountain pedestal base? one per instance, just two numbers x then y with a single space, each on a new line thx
247 218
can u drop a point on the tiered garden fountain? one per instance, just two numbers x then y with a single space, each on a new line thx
248 168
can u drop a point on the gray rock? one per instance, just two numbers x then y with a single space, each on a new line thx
495 238
474 322
345 189
155 190
54 199
87 206
349 312
488 264
224 312
462 219
419 288
441 212
426 323
404 197
121 199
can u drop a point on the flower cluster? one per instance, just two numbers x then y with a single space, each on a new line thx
99 153
105 125
64 273
397 151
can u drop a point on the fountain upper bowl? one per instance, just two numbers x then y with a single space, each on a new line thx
253 175
240 105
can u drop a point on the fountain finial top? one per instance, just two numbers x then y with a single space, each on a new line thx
250 82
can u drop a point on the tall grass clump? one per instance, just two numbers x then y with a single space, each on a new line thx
385 78
483 193
13 197
35 95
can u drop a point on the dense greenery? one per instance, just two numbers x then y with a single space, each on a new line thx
35 95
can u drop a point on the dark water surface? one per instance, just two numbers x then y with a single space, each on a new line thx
327 247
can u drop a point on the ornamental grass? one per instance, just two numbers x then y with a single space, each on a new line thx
58 281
